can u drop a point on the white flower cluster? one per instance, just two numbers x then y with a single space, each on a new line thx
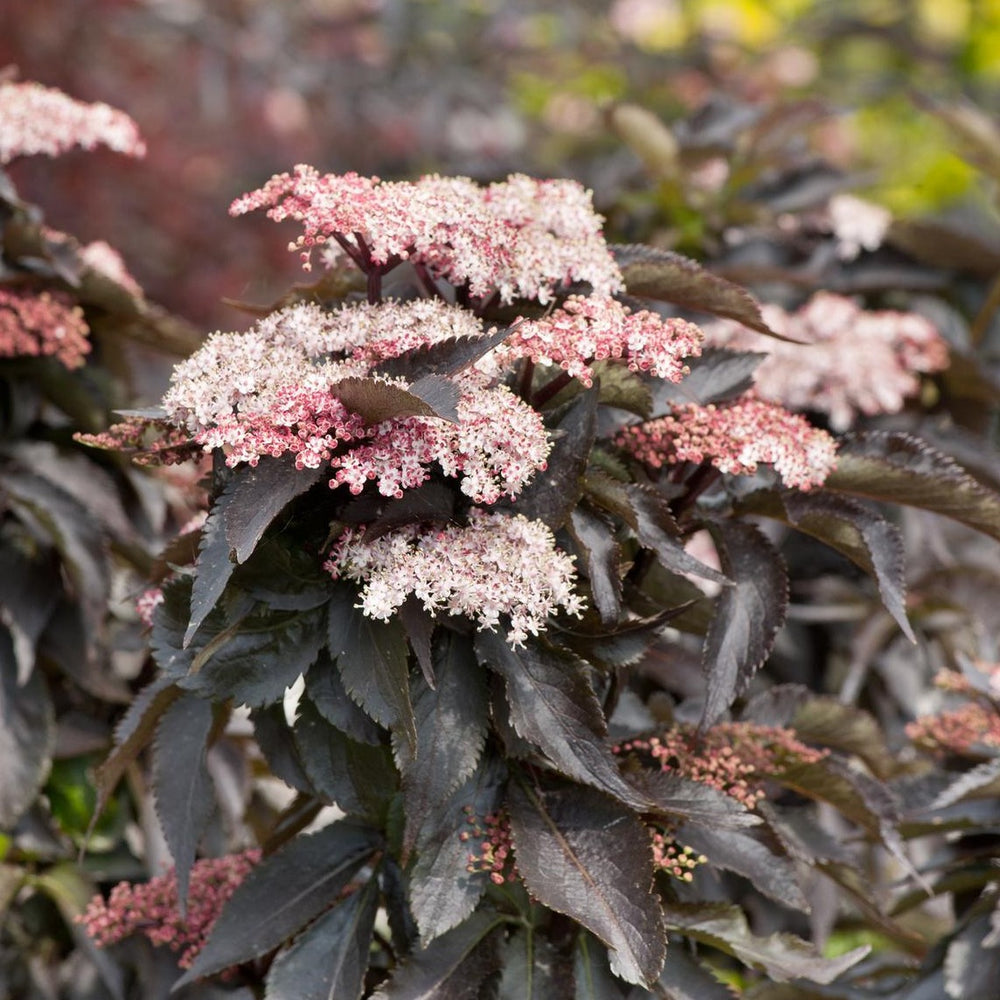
42 120
494 566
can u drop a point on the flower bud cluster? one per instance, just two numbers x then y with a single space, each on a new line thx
969 728
735 437
42 324
519 238
849 360
495 856
733 757
674 859
41 120
496 565
151 908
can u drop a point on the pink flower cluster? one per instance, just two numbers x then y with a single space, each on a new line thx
496 565
151 908
45 324
519 238
849 361
593 328
733 757
735 437
273 391
41 120
106 260
975 724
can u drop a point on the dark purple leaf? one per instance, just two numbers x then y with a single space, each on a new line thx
133 732
533 969
553 706
447 357
29 593
440 394
244 652
257 495
747 615
326 689
451 723
651 273
27 736
442 891
552 495
282 894
359 778
854 530
742 852
715 376
656 529
277 743
583 854
182 787
214 567
781 956
831 723
595 538
899 468
374 665
329 959
376 401
75 535
683 978
592 974
693 801
452 967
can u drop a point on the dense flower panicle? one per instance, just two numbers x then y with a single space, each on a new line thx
42 324
591 328
42 120
518 238
272 391
849 361
496 565
735 438
973 725
151 908
497 445
733 757
959 730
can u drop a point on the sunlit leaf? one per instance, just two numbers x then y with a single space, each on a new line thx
585 855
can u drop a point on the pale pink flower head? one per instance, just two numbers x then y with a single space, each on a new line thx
591 328
735 438
41 120
272 391
495 565
151 908
42 324
848 361
520 238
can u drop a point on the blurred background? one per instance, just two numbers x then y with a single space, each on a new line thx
228 92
